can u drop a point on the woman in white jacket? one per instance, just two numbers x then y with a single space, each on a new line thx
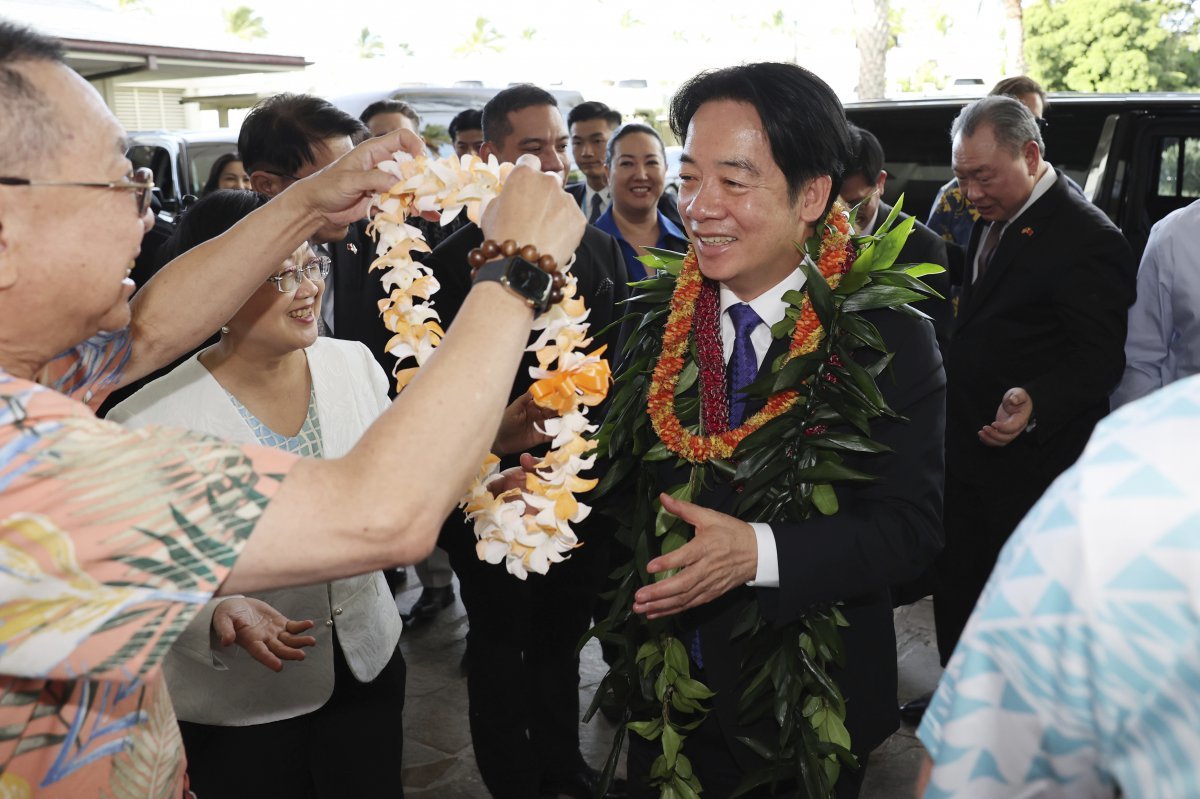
328 723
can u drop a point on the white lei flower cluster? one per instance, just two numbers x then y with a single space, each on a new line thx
526 529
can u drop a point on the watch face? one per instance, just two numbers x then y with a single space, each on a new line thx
528 279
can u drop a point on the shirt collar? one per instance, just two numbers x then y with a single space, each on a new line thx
769 305
605 193
1042 186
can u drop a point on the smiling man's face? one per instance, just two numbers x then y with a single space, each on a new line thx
733 198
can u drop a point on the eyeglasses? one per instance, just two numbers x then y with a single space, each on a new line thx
140 181
314 270
280 174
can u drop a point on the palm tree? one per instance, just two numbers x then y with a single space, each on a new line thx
483 37
243 23
1014 38
369 44
872 35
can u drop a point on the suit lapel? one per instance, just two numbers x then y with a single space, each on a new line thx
1013 242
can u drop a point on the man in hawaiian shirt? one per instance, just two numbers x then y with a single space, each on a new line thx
110 540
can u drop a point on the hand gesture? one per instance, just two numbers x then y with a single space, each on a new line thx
1012 417
722 555
341 192
534 209
519 426
264 632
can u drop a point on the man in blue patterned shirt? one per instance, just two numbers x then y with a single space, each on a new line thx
1078 674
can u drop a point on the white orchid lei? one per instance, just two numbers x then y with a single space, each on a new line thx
567 380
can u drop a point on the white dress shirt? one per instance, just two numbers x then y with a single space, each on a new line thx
771 309
588 193
1163 342
1048 178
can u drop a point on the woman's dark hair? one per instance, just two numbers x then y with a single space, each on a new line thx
390 107
214 175
625 130
207 218
802 117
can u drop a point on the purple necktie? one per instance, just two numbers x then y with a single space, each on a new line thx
743 364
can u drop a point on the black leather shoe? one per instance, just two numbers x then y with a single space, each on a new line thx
912 711
431 602
582 784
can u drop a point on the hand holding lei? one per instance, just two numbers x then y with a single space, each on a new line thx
525 529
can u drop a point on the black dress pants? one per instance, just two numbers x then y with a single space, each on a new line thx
978 520
349 747
522 666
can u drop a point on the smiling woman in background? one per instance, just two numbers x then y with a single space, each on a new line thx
227 172
270 380
636 164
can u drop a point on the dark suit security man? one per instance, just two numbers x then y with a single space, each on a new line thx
862 185
1036 347
525 633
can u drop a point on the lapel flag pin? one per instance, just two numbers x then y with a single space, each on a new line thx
1026 231
354 250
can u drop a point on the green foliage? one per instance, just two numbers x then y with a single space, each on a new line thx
369 45
483 37
244 23
1113 45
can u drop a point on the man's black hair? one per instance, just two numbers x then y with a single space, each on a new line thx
29 129
496 125
594 109
280 132
802 117
471 119
390 107
866 155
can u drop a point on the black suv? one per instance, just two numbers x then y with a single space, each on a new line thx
1137 156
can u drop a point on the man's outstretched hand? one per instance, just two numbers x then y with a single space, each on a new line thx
264 632
722 555
1012 417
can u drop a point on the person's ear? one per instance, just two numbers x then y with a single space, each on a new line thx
879 184
487 149
1033 157
266 183
814 197
8 262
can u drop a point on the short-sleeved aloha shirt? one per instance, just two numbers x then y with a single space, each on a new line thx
952 215
110 541
1078 674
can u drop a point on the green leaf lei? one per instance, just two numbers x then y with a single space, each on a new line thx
785 471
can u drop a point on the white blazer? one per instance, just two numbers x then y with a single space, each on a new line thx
211 684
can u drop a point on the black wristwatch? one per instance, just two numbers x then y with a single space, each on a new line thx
522 278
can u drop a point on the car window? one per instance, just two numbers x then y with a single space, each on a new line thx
201 157
1179 166
158 161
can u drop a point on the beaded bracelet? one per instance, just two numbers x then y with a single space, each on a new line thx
490 250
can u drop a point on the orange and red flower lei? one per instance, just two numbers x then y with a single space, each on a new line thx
695 304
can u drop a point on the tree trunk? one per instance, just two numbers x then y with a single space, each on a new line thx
1014 38
871 36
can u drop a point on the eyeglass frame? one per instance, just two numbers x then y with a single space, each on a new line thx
326 263
140 181
279 174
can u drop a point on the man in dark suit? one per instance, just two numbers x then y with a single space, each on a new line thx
863 181
291 136
1036 347
522 669
591 124
763 154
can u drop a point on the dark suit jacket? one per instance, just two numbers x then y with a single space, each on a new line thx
600 269
668 203
885 532
356 295
926 247
1049 316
